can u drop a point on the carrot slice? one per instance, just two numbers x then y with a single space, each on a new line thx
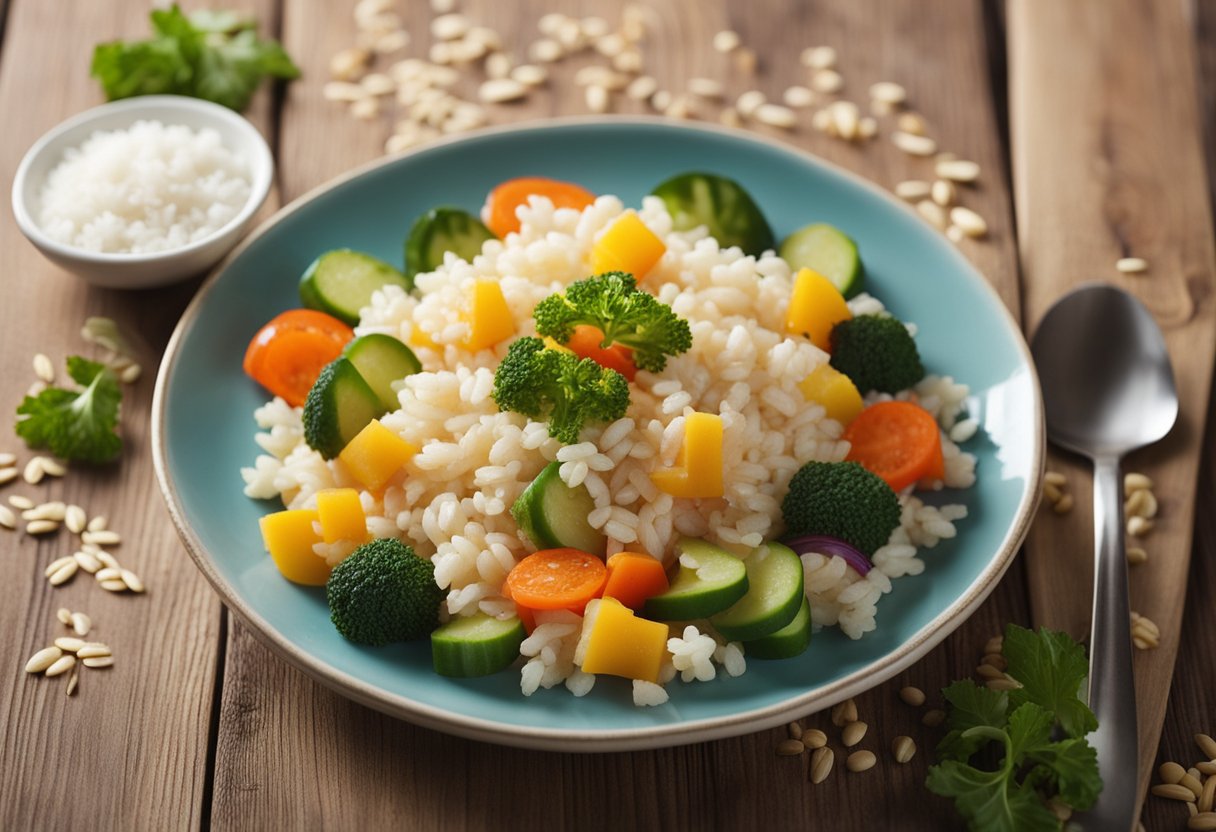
499 212
287 354
557 579
898 441
585 343
633 577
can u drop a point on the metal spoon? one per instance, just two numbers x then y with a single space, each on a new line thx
1108 389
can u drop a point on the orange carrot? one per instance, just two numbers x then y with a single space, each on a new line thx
557 579
287 354
585 342
499 211
633 577
898 441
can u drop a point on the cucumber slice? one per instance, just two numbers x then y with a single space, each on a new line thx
554 515
439 231
722 206
829 251
718 581
339 405
382 359
475 645
773 597
791 640
341 282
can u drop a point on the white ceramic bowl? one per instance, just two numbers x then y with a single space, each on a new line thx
135 271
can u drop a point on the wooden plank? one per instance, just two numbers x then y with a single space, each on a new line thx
1192 701
129 750
1107 163
292 753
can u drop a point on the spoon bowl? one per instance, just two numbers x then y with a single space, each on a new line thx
1108 389
1107 383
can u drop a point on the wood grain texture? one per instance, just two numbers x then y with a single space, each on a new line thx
1108 163
293 754
136 734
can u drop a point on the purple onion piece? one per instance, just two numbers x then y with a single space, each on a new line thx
827 545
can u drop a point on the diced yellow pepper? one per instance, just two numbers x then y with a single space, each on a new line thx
835 391
698 471
289 537
341 515
420 338
375 455
488 316
621 644
815 307
627 246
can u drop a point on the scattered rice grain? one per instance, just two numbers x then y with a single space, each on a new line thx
913 144
1131 265
61 665
903 749
860 761
912 695
821 764
43 659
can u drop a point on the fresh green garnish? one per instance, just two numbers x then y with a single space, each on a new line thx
1037 732
75 424
559 387
624 313
212 55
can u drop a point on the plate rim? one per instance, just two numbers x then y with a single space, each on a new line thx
582 740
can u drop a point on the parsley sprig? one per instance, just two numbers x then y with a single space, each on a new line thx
1035 733
214 55
76 424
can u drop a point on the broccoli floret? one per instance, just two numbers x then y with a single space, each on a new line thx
843 500
877 352
383 593
625 314
559 387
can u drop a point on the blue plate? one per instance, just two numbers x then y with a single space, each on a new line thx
203 428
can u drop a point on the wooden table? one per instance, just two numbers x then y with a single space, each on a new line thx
1101 136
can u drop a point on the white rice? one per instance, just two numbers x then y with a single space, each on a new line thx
151 187
451 501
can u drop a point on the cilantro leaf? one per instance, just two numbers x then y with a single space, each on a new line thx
1051 668
75 425
214 55
1072 766
1016 731
972 706
986 801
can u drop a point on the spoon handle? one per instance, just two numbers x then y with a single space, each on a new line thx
1112 694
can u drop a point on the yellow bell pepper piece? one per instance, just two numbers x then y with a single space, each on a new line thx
420 338
627 246
341 515
488 316
815 307
698 471
375 455
621 644
289 537
835 391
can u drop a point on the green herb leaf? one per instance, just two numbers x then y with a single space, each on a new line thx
1051 668
1015 731
75 425
214 55
986 802
972 706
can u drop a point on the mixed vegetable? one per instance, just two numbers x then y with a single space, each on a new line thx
592 340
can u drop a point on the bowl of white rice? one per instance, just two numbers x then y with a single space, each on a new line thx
142 192
953 544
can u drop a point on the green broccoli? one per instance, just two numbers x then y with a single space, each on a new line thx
383 593
560 387
625 314
877 352
844 500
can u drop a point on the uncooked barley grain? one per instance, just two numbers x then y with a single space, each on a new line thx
81 624
1131 265
853 733
61 665
933 718
1173 791
813 738
1207 745
912 695
790 748
913 144
99 661
93 650
87 561
903 749
860 761
821 764
43 659
44 368
75 519
64 573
